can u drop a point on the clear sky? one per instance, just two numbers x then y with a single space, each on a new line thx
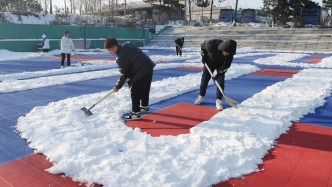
241 3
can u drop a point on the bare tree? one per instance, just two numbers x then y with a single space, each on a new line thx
51 8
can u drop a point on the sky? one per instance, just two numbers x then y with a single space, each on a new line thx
102 149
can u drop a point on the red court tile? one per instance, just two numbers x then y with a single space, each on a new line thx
302 157
314 60
81 58
30 171
174 120
191 68
285 73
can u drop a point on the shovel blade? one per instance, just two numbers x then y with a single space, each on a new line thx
86 111
231 102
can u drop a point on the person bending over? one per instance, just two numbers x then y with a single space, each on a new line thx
218 55
136 68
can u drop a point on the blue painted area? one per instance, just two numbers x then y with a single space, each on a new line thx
28 65
16 104
322 116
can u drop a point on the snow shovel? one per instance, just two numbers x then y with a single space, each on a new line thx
88 112
230 101
82 64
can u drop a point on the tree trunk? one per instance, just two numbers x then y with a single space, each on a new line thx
211 11
51 11
125 8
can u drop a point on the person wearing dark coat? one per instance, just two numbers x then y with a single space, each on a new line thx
178 46
218 55
136 68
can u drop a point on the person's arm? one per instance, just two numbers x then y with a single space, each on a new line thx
121 81
204 53
122 62
62 44
72 45
227 63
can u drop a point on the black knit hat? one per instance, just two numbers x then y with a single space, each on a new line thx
110 42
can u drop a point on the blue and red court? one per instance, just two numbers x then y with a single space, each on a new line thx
302 157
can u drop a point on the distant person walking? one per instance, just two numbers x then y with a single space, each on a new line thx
178 46
46 44
67 46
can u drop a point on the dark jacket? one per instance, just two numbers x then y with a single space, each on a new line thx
133 64
179 41
210 49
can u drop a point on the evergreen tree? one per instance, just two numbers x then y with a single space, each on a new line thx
327 5
203 4
283 11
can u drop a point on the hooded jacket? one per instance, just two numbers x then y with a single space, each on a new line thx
133 64
46 43
230 47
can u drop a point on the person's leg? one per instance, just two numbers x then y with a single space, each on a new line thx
204 81
68 59
180 50
63 56
177 50
135 93
146 85
221 81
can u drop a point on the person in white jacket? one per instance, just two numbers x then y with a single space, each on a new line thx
67 46
46 44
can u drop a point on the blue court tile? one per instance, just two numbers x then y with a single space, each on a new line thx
13 145
8 125
6 102
322 115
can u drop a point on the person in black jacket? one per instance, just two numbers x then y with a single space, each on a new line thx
137 69
218 55
178 46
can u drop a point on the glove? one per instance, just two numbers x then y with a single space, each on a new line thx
204 57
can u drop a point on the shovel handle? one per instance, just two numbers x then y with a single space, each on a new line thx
101 100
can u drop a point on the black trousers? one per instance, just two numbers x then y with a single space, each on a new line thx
63 56
45 50
140 92
206 77
178 50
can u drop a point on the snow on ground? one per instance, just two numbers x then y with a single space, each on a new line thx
102 149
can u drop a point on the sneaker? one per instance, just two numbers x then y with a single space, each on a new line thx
133 116
144 109
218 104
199 100
62 67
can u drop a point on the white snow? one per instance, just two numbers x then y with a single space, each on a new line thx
102 149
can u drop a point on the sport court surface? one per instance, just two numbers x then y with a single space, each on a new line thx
302 157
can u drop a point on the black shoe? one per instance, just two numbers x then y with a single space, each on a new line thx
132 116
144 109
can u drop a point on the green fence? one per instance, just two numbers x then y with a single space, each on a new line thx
25 38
